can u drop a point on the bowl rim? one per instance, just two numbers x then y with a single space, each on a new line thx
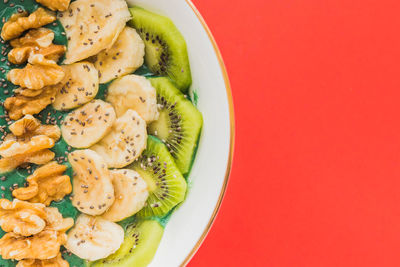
232 132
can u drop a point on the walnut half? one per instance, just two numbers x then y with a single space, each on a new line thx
18 23
28 142
55 5
41 37
38 73
40 157
20 105
55 220
22 217
55 262
36 41
16 153
27 92
45 185
27 127
11 148
43 245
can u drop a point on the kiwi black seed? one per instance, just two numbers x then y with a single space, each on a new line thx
167 187
179 124
141 241
166 51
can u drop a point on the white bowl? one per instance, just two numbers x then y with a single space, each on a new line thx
208 179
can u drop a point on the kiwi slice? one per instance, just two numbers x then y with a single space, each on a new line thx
167 187
179 124
166 52
139 247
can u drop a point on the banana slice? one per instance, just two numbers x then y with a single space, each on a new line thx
125 142
134 92
92 26
94 238
79 86
87 125
124 57
130 195
92 186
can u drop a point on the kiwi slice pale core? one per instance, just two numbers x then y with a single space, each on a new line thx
179 124
141 241
167 187
166 51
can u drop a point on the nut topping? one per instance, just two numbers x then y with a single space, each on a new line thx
20 105
20 22
27 127
27 92
22 218
13 148
36 41
55 5
29 142
45 185
41 37
43 245
38 73
55 220
54 262
40 157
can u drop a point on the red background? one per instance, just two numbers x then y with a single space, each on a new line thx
316 88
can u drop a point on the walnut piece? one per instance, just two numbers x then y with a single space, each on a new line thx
36 41
13 148
29 142
55 220
21 54
16 152
40 157
43 245
27 92
41 37
22 217
10 25
27 124
18 23
20 105
37 74
55 5
45 185
27 127
55 262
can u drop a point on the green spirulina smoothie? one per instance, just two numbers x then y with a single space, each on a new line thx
61 149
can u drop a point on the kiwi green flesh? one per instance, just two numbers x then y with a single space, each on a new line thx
167 187
141 241
179 124
166 51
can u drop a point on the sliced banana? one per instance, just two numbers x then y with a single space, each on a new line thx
130 195
94 238
92 186
92 26
79 86
88 124
124 57
134 92
126 141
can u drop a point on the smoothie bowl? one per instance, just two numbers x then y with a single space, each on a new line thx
116 132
